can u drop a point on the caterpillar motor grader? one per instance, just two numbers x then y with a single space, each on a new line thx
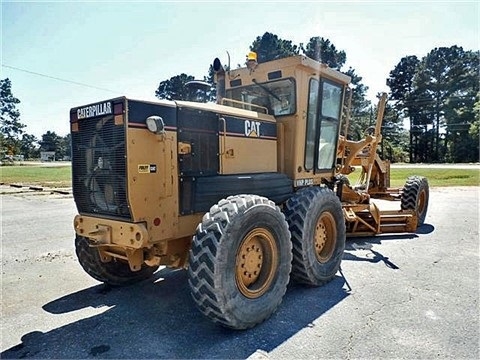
245 193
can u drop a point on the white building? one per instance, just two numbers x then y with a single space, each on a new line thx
47 155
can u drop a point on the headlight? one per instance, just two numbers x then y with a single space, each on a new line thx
155 124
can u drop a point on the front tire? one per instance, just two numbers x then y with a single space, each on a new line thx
115 272
317 225
415 197
240 261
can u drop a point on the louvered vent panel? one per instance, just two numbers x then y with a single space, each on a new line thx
99 168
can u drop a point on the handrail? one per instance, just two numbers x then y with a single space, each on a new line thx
244 104
222 142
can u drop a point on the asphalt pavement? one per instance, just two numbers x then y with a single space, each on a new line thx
402 296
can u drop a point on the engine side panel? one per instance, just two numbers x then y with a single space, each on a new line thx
199 194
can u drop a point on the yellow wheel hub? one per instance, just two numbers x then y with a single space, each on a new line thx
325 237
256 263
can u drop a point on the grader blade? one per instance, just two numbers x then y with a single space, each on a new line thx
368 220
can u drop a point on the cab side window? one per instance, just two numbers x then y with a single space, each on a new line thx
329 122
312 116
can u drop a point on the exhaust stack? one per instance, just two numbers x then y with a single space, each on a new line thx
220 77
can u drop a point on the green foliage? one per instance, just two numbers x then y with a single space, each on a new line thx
437 94
66 145
210 79
50 141
393 152
394 145
270 47
361 116
324 51
10 126
53 142
401 80
28 147
474 130
174 88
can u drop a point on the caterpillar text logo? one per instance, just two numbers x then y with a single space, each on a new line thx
94 110
252 128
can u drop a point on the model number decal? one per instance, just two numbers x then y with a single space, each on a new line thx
303 182
147 168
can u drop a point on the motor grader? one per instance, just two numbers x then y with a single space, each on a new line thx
245 193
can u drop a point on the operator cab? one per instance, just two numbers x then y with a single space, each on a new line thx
306 99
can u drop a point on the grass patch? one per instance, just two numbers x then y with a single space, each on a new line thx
54 176
436 177
61 176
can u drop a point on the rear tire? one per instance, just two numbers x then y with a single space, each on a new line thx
240 261
115 272
415 197
317 224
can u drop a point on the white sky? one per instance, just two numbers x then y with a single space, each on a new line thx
129 47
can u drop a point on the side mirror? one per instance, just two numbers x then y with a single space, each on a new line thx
155 124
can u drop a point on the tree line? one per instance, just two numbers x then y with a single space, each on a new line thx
437 95
14 140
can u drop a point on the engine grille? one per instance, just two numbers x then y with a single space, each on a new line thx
99 168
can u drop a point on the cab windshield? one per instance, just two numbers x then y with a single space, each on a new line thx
275 97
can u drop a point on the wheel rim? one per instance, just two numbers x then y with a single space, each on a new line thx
256 263
325 237
422 200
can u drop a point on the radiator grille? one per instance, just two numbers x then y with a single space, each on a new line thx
99 168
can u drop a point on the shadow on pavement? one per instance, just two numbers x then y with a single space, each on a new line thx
354 244
158 319
377 257
425 229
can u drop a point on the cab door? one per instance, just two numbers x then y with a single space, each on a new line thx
323 121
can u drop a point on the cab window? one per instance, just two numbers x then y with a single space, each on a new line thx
323 118
329 121
275 97
312 119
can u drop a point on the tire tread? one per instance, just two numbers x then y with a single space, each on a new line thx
205 267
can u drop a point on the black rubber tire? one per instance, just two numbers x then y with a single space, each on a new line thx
303 212
216 249
115 272
415 197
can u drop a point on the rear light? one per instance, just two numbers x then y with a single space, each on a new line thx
118 113
73 116
73 121
118 109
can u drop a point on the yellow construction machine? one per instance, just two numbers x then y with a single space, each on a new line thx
246 193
